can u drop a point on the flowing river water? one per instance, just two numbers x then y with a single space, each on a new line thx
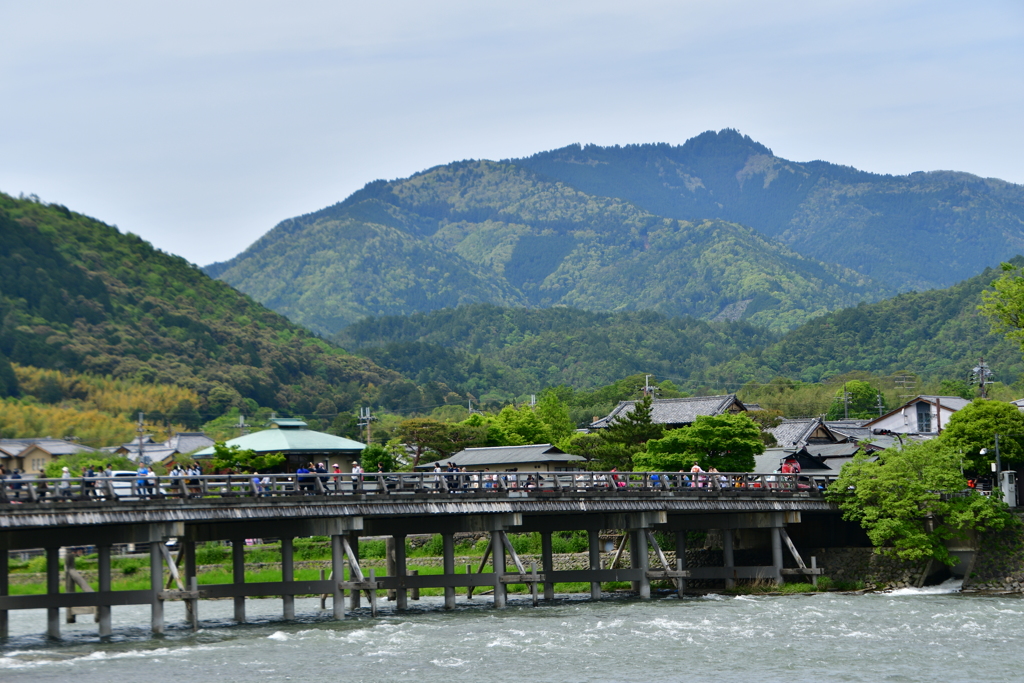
931 634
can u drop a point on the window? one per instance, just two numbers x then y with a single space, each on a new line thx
924 417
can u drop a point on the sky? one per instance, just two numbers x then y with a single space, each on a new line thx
199 126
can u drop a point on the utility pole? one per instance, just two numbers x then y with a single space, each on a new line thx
365 418
647 385
242 427
140 430
880 405
980 375
533 400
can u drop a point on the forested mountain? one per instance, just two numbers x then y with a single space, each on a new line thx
498 353
917 231
502 352
76 294
481 231
938 334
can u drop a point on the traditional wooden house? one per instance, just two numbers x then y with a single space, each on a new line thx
33 455
531 458
677 412
924 415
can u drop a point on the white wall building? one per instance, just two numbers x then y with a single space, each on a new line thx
925 415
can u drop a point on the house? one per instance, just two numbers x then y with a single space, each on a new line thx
298 443
677 412
532 458
924 415
165 452
793 433
33 455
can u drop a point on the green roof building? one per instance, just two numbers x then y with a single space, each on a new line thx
299 444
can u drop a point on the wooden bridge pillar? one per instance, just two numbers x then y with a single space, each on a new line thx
53 590
188 548
448 552
547 563
681 560
727 557
156 584
353 596
595 561
4 582
238 575
338 572
640 560
103 569
777 554
498 555
288 575
402 594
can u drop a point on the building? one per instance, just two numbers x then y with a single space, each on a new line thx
924 415
532 458
677 412
182 443
33 455
298 443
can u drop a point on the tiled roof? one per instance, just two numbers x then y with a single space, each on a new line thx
791 434
674 410
57 447
851 429
186 442
507 455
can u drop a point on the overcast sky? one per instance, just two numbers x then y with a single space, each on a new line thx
200 125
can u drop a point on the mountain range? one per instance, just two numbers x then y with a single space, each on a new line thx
717 228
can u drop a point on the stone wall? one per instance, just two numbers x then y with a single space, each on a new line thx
998 564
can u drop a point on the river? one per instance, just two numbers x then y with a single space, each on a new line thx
931 634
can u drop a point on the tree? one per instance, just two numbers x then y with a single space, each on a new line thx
555 414
902 500
863 401
523 426
726 442
376 453
765 420
957 387
235 459
1004 303
974 427
444 439
629 433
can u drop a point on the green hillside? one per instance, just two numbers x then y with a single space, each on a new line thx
480 231
500 353
77 294
938 334
917 231
496 352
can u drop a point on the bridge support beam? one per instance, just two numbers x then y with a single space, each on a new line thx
103 611
288 575
547 561
156 584
680 561
338 572
354 601
191 580
401 594
4 582
595 561
448 551
777 554
53 590
727 557
498 559
640 559
238 575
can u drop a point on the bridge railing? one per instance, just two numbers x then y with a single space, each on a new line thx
188 487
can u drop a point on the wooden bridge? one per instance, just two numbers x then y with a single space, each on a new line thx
104 512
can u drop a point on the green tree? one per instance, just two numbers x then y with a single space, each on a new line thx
376 453
523 426
235 459
957 387
555 414
726 442
901 500
863 401
441 439
974 427
629 433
